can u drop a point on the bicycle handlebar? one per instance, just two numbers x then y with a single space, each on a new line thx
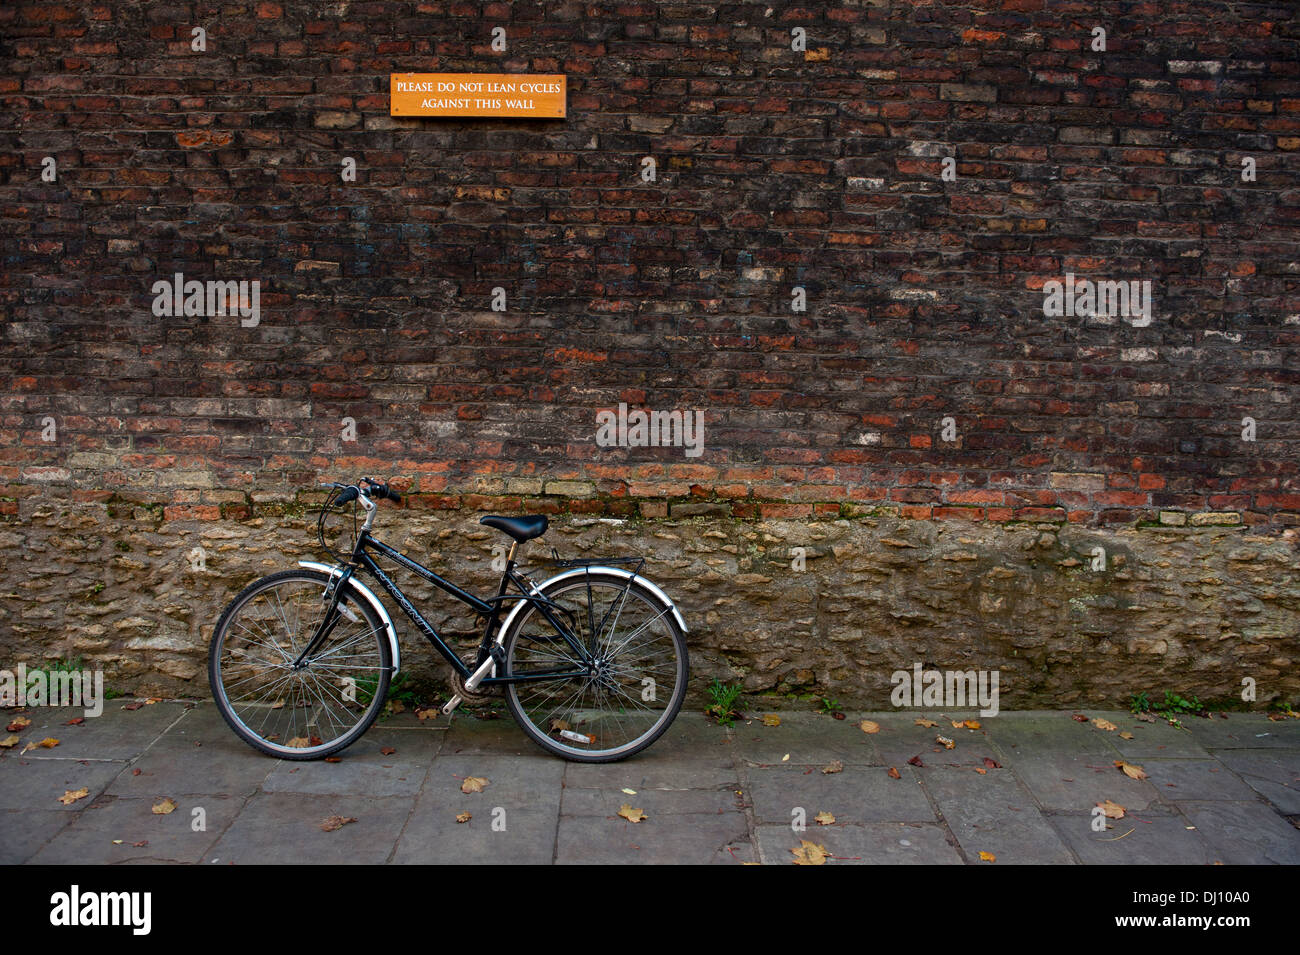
374 490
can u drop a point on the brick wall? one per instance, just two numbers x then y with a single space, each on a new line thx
821 169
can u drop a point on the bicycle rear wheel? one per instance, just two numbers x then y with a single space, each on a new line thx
311 711
636 690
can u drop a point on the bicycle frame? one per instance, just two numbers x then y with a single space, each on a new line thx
489 608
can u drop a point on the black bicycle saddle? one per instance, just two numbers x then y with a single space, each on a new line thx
520 528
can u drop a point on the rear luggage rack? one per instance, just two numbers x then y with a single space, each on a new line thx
557 561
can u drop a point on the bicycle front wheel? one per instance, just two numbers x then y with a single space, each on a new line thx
318 706
639 678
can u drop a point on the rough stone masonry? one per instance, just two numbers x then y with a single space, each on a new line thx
837 254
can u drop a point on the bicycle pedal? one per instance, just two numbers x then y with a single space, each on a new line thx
451 704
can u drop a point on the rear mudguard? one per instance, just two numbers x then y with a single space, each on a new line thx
368 595
659 596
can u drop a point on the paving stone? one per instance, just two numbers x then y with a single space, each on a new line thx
116 734
606 802
690 839
37 784
174 764
1245 731
1153 838
806 738
513 782
1273 774
1245 833
171 837
363 768
870 844
276 828
23 832
855 795
523 836
1177 780
993 813
1077 783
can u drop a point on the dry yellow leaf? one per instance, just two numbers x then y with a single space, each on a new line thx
72 795
278 705
824 818
49 742
299 742
836 767
928 724
1126 735
988 857
893 773
630 814
31 745
18 723
630 792
972 724
809 853
957 724
9 742
947 743
473 784
334 823
1129 770
464 817
1111 809
164 807
1106 725
869 727
771 719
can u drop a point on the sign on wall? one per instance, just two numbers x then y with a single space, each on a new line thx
519 95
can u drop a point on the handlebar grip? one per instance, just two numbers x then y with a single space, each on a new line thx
392 495
347 496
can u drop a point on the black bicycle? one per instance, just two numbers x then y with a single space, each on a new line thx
592 661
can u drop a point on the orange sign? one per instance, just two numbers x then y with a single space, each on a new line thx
522 95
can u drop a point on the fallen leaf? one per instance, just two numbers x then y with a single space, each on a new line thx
133 706
333 759
9 742
630 792
164 807
1129 770
473 784
1145 717
136 772
1111 810
947 743
1079 718
981 770
988 857
809 853
928 724
915 761
140 845
1125 735
869 727
387 750
278 705
396 706
957 724
630 814
298 742
894 773
49 743
785 758
426 713
117 842
18 724
972 724
824 818
990 763
72 795
835 767
464 817
31 745
1106 725
334 823
1277 716
771 719
77 722
315 740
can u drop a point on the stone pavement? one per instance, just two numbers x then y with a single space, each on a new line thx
1218 791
